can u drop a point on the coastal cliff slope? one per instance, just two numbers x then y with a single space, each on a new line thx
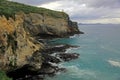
43 25
20 24
16 45
41 21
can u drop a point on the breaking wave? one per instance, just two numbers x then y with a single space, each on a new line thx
76 72
114 63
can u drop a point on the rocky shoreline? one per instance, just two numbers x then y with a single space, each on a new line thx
52 56
24 53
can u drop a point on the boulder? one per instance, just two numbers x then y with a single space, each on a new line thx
68 56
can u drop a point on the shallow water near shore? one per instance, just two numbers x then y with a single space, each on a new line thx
99 54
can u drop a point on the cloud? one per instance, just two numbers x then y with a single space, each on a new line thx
34 2
83 10
103 3
50 5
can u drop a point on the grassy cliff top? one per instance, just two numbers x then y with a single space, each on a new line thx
9 9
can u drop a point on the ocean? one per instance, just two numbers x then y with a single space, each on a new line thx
99 54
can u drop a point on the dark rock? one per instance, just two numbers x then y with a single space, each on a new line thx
49 69
21 73
81 32
62 70
49 58
38 77
58 48
18 46
28 70
67 56
47 36
35 77
35 61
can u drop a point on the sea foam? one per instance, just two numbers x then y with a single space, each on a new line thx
114 63
76 72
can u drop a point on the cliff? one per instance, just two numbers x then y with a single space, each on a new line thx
46 26
19 26
41 21
16 45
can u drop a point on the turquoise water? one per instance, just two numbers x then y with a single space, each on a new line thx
99 54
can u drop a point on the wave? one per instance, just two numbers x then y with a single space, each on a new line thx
73 36
114 63
76 35
70 49
76 72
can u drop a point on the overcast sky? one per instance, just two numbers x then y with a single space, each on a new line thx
83 11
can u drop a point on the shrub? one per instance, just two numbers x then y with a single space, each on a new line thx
9 8
3 76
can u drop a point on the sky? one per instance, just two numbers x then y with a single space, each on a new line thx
83 11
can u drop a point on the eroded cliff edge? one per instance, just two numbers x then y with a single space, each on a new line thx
48 26
16 44
20 25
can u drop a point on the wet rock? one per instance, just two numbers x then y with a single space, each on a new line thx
62 70
49 58
35 77
47 69
67 56
21 73
50 69
58 48
35 61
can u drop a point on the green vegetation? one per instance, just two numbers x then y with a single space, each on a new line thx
3 76
9 9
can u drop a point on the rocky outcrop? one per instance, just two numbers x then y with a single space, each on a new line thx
68 56
49 66
48 27
21 55
17 47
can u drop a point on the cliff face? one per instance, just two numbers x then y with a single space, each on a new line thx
40 21
18 27
43 25
16 45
